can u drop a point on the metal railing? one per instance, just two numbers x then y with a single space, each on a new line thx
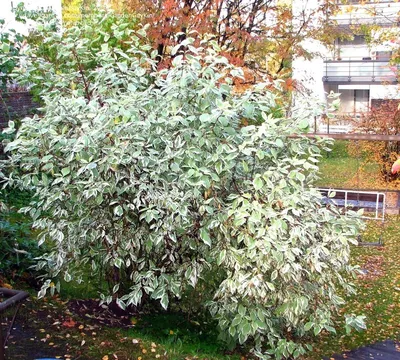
364 71
373 202
383 21
363 2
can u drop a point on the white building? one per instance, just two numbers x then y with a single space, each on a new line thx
7 14
359 72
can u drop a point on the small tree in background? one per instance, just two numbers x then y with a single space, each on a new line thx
382 119
148 178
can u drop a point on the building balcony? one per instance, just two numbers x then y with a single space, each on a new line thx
354 19
360 71
353 12
363 2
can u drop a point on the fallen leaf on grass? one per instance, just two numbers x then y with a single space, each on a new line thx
69 323
105 343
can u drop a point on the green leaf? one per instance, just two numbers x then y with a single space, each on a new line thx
5 48
330 329
205 236
122 66
304 124
300 176
121 304
65 171
221 257
317 329
270 286
104 47
245 167
205 117
164 301
241 310
118 211
279 143
308 325
258 183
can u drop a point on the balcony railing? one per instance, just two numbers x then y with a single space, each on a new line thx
382 13
382 21
359 71
363 2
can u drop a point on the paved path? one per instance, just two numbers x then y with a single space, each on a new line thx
386 350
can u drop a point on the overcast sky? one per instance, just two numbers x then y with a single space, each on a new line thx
7 5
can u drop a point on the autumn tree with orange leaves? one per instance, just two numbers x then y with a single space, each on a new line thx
254 32
383 119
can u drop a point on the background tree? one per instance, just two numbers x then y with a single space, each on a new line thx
73 10
243 28
383 119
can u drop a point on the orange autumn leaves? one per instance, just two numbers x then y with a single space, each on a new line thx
246 29
383 119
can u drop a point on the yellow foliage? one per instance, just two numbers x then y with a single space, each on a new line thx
71 11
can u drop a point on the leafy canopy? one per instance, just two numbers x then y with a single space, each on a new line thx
256 31
148 178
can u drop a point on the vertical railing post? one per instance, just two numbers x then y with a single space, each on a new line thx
328 125
349 70
373 71
315 129
2 344
326 69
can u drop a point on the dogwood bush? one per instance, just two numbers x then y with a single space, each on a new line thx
148 177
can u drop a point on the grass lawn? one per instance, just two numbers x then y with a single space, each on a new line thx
342 173
378 293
